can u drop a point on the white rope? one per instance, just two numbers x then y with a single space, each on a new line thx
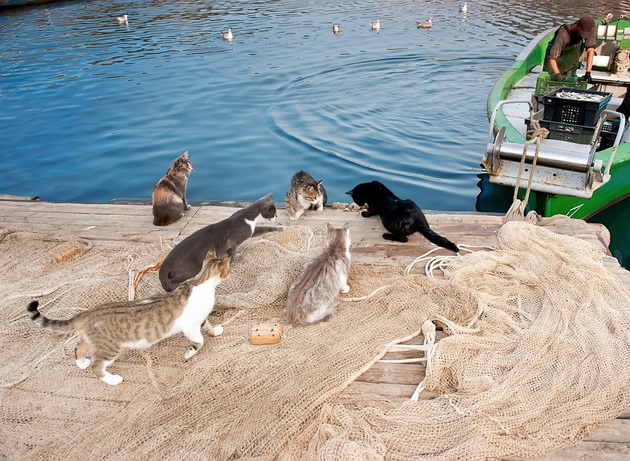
517 210
428 329
440 262
131 275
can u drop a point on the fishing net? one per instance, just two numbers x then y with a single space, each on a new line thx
537 353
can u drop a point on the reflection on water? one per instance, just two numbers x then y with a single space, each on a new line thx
94 109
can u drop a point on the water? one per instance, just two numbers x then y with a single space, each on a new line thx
94 110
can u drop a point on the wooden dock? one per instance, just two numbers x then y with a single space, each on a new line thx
117 222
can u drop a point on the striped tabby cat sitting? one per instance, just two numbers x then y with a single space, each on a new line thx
305 193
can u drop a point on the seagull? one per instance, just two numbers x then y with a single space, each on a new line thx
336 29
463 8
376 25
228 35
426 25
122 19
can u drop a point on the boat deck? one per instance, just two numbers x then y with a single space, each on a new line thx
117 222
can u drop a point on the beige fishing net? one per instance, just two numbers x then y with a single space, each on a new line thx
537 353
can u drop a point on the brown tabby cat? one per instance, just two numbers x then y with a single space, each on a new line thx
112 327
314 295
169 194
304 194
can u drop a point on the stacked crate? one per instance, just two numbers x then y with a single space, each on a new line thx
569 119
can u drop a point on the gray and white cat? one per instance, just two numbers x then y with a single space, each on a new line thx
169 194
304 194
314 296
112 327
184 261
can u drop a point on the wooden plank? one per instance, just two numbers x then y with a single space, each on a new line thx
391 373
616 431
591 451
395 392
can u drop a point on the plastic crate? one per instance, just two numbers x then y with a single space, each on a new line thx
566 132
573 111
546 83
608 134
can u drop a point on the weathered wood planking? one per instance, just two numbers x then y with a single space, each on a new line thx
107 223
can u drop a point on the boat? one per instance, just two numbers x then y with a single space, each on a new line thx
582 167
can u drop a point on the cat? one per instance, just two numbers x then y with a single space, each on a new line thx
314 296
112 327
169 194
184 261
304 194
400 217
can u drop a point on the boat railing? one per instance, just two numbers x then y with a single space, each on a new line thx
620 133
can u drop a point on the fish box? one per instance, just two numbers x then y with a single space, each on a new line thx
566 132
546 83
578 110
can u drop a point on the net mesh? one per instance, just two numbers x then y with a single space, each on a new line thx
537 354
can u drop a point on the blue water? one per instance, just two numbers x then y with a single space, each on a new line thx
93 110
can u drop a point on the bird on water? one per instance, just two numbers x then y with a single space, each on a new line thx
228 35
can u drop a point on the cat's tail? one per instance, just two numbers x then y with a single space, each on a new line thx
59 326
443 242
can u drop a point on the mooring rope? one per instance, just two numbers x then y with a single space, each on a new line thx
517 210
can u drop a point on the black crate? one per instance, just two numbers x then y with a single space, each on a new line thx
573 111
578 134
609 133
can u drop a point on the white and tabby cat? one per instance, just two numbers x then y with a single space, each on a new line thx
112 327
169 194
314 295
304 194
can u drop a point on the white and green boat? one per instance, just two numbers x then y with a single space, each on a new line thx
581 169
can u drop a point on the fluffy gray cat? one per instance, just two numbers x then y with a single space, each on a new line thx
314 296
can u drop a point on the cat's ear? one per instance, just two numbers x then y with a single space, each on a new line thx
346 226
350 192
212 254
185 155
319 183
266 197
329 227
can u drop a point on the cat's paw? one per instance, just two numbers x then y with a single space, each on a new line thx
187 207
216 331
112 380
84 363
366 214
396 238
345 289
192 350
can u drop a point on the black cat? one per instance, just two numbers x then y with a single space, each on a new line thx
400 217
185 260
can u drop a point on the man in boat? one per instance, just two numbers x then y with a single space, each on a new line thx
565 49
